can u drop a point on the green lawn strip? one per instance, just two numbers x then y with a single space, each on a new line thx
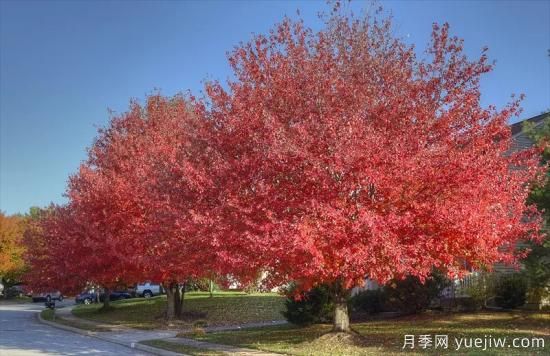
225 308
184 349
387 336
49 315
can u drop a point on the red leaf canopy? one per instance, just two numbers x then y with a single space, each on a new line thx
347 156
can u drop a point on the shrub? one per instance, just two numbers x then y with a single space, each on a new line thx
312 307
467 304
410 295
511 291
369 301
12 292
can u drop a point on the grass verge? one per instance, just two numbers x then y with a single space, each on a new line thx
49 315
387 336
184 349
225 308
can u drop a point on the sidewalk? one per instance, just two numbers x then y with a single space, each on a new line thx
131 337
119 333
231 350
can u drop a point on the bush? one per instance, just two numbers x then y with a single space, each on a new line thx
369 301
511 291
12 292
410 295
312 307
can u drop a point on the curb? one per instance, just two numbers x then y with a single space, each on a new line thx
94 334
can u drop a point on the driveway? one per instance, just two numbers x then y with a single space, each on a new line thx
22 334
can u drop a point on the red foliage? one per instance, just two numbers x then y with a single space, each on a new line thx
347 156
144 186
333 156
135 206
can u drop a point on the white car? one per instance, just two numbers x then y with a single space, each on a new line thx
47 297
148 290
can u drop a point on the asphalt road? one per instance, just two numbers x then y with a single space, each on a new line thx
22 334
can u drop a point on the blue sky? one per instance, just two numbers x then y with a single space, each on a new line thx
63 64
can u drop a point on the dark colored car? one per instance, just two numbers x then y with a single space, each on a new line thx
116 295
47 296
92 296
87 297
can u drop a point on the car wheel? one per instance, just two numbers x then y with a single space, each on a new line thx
147 294
60 298
87 301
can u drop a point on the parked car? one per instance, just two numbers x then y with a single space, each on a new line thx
94 296
47 296
15 291
87 297
148 290
116 295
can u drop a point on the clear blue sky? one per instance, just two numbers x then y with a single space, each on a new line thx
63 64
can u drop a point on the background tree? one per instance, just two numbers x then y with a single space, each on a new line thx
42 253
537 263
53 253
12 249
145 187
348 156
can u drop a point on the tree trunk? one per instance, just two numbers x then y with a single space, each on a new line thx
341 315
170 302
106 298
211 288
182 295
177 300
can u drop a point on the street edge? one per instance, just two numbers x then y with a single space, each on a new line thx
94 334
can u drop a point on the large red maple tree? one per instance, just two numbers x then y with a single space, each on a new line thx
331 157
347 155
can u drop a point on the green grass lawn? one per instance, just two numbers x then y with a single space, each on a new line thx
225 308
387 336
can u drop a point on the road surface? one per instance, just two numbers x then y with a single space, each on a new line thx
22 334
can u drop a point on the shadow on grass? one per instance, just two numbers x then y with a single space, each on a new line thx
387 336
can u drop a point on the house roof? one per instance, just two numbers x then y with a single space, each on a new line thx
521 140
518 126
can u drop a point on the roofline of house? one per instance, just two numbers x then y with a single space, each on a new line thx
517 128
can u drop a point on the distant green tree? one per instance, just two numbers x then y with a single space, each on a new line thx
537 263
